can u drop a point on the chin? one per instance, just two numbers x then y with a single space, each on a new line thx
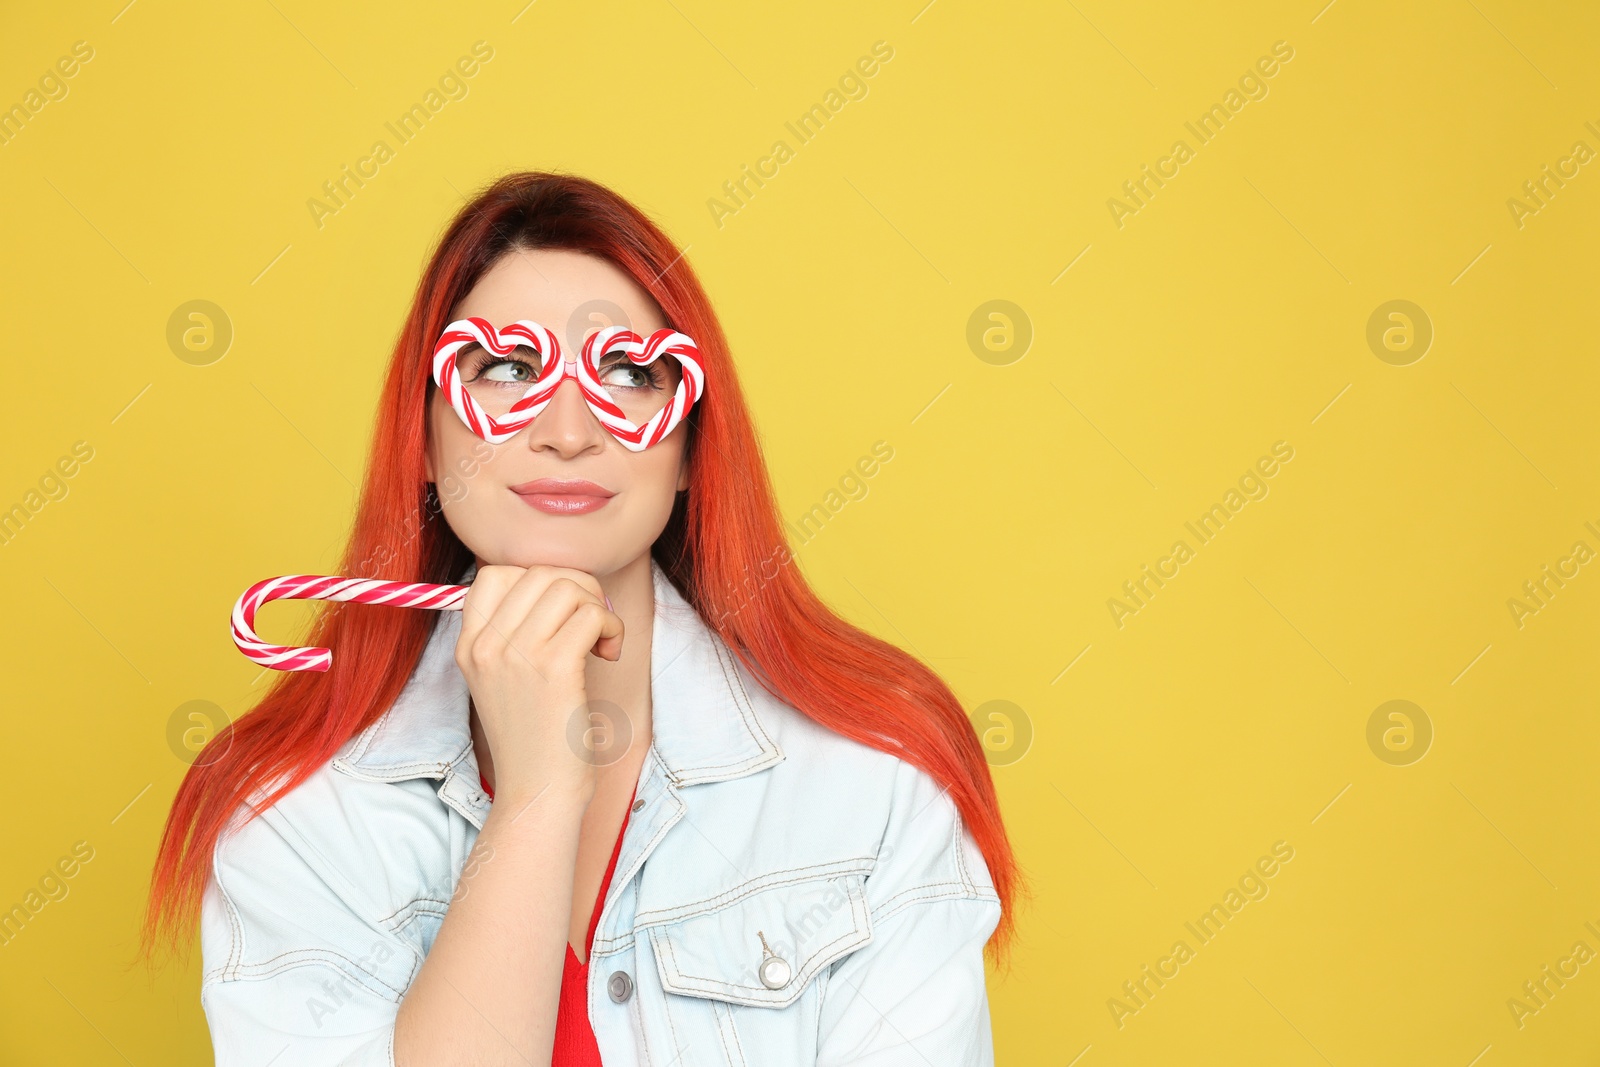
589 558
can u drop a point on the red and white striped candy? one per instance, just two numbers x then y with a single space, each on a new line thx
642 351
327 587
464 332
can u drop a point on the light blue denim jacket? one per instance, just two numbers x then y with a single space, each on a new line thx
749 818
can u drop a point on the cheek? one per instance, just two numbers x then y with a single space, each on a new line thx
457 460
652 483
667 468
652 474
449 441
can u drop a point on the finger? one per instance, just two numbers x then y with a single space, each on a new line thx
591 627
531 587
551 611
520 600
489 587
609 648
512 608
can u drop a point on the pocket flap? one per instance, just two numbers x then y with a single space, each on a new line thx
718 953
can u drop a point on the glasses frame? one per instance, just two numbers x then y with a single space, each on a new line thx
556 368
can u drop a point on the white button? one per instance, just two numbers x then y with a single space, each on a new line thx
775 972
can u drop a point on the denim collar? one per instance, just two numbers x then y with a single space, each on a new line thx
706 723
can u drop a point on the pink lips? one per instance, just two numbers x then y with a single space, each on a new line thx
558 497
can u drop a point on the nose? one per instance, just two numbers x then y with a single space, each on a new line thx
566 426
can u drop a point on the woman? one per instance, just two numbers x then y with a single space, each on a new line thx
643 800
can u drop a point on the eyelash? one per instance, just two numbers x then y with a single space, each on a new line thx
475 362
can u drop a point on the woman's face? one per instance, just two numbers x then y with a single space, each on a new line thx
484 489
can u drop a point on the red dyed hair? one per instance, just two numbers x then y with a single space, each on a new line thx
718 549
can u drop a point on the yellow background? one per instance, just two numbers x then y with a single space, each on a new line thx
1229 313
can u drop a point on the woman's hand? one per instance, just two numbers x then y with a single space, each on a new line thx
500 952
525 636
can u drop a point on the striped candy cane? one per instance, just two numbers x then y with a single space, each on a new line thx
327 587
644 352
468 331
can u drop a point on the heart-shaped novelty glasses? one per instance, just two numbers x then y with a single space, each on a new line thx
498 380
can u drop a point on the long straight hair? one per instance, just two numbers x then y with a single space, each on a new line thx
723 548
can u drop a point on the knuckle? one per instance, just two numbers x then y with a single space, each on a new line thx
498 577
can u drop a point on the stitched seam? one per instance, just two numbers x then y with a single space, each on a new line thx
639 1027
666 1009
926 895
611 946
314 958
693 772
461 757
722 1034
460 806
824 977
739 994
650 845
750 888
416 965
331 876
747 716
400 927
925 891
236 931
311 952
414 907
714 985
376 730
755 885
372 773
236 943
366 739
672 955
392 772
734 1030
961 859
746 710
860 911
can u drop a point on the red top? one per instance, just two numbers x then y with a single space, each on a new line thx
575 1044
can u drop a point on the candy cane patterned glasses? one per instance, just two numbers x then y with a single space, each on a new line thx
499 380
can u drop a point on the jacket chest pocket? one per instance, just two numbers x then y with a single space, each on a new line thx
742 975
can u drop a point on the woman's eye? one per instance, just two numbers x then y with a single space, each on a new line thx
476 365
507 370
629 375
